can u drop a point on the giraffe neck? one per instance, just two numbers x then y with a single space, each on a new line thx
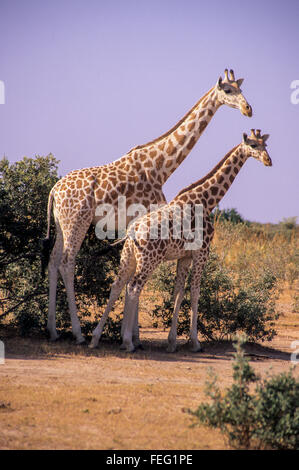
163 155
211 189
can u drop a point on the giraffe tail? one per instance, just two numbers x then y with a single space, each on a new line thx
107 249
119 241
46 242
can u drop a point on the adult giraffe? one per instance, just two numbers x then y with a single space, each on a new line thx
139 176
142 253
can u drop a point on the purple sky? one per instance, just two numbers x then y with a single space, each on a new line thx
89 79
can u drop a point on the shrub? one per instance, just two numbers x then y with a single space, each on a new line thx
277 412
266 419
288 223
24 188
230 215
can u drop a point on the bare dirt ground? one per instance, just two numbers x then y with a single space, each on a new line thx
63 396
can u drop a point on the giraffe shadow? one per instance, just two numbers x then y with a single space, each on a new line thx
218 350
39 348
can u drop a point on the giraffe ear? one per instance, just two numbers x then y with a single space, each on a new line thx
244 137
240 81
219 83
265 137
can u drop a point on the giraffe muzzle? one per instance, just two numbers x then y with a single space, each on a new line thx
246 110
267 161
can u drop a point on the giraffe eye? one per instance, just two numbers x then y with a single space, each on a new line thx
253 146
227 91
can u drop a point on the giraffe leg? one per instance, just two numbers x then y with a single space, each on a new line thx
127 268
136 339
182 271
125 310
195 344
116 289
132 299
53 276
145 266
198 265
67 273
72 242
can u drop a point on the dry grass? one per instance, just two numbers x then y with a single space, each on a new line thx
259 247
62 396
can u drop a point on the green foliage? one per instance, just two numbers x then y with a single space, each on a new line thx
288 223
230 215
24 190
266 419
277 412
227 303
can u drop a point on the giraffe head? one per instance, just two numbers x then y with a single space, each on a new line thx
229 93
255 146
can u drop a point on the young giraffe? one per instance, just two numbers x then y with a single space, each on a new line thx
139 176
142 254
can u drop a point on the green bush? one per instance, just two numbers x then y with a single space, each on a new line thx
227 303
230 215
288 223
278 412
24 188
266 419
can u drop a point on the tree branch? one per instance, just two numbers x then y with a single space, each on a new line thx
29 296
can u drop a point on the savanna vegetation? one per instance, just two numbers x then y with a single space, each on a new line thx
248 266
249 263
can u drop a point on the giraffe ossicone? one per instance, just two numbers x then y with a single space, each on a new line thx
139 176
141 255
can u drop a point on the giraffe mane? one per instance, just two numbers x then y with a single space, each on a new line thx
209 175
174 127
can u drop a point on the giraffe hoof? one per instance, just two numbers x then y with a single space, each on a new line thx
53 339
93 344
197 349
132 350
80 341
128 349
